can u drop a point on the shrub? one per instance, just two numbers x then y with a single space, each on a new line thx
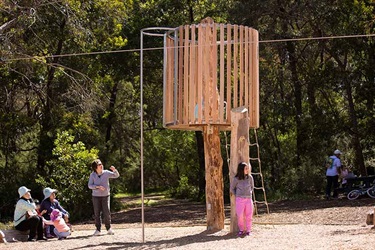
184 189
70 174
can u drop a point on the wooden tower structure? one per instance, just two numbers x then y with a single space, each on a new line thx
211 74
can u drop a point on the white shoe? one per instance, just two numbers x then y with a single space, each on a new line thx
2 237
110 232
97 233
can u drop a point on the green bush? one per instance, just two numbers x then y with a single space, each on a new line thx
70 175
184 189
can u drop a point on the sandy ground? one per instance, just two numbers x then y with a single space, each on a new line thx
317 224
195 237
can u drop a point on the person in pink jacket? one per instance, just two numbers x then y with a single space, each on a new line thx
61 230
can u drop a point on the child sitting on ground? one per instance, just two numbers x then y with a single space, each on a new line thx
346 173
343 174
61 229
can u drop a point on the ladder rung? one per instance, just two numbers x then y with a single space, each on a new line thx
261 202
259 188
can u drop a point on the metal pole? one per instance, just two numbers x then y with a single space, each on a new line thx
165 55
141 115
142 184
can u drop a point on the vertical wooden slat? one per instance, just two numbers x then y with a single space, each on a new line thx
254 107
206 72
172 80
213 75
221 90
235 67
180 73
251 60
166 96
192 78
229 73
200 76
186 76
197 83
240 96
169 82
251 106
256 79
246 83
251 73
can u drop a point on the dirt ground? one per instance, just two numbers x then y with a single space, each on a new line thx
176 224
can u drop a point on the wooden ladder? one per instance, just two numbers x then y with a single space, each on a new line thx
258 177
256 172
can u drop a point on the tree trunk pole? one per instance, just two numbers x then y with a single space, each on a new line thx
214 178
239 152
201 172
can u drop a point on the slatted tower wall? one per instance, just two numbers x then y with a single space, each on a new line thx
210 69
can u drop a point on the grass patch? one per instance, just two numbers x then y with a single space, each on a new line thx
135 200
146 194
6 226
124 195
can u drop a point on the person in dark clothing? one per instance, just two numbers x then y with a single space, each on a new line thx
332 174
49 204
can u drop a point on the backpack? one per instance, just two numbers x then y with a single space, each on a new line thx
328 163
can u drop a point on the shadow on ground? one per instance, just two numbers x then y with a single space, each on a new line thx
205 236
185 213
302 205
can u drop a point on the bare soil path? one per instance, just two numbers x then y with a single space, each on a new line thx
178 224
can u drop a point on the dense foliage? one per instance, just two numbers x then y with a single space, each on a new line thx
69 173
69 78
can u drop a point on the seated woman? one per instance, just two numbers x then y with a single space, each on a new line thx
49 204
25 216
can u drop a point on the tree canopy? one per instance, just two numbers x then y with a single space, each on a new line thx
70 92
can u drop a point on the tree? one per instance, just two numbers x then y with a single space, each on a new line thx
304 79
71 170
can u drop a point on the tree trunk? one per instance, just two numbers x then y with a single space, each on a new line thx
214 179
201 174
359 162
45 140
239 152
110 120
297 100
